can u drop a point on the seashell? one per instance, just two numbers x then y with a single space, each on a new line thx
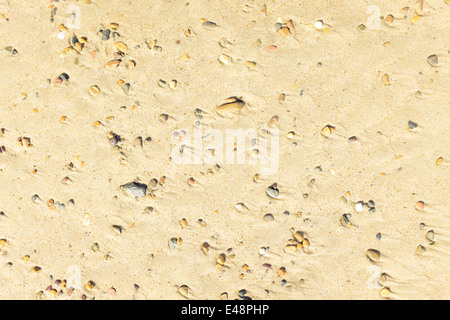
117 229
135 188
94 90
173 243
433 60
230 108
290 248
122 47
90 285
327 131
373 255
420 249
205 247
224 59
185 291
299 236
241 207
273 191
385 292
345 220
221 258
430 235
113 64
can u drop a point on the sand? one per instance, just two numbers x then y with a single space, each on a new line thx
61 142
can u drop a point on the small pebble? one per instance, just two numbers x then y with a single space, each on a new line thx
412 125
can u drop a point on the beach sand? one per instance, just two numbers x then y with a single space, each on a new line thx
357 93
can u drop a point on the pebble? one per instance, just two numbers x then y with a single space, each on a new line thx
359 206
412 125
3 242
378 236
209 25
105 34
420 205
439 161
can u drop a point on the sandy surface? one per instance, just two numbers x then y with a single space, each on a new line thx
331 76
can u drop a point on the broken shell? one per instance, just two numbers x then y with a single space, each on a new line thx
420 249
385 292
94 90
229 108
173 84
183 223
284 31
389 19
221 259
299 236
373 255
122 47
3 242
433 60
345 220
113 64
136 188
224 59
173 243
327 131
430 235
36 269
439 161
250 64
117 229
205 247
90 285
209 25
290 248
184 290
306 244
